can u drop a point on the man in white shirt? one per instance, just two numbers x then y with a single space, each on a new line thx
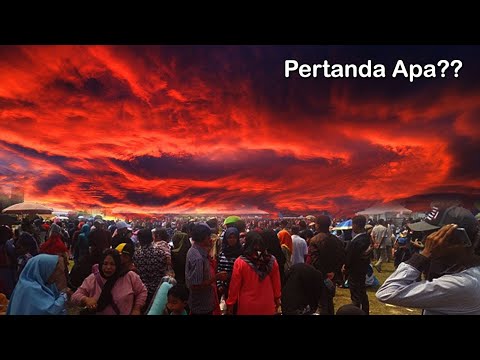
300 248
451 265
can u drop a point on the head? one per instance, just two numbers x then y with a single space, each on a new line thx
99 224
254 244
177 298
5 234
295 230
201 235
439 217
358 224
55 230
283 224
122 227
126 251
161 234
323 224
58 276
110 263
350 309
231 236
145 237
302 224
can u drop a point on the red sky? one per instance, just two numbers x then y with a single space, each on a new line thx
215 128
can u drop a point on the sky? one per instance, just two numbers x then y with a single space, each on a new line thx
205 129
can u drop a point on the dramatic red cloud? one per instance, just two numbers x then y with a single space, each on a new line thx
217 129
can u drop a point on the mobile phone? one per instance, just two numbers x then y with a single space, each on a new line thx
461 237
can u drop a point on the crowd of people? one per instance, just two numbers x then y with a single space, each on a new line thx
230 266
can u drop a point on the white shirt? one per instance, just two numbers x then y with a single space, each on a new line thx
452 294
300 249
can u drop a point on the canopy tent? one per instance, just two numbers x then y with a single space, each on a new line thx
344 225
27 208
381 209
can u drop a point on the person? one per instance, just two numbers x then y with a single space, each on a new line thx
452 268
177 299
357 262
41 288
126 251
111 292
181 245
198 272
150 261
350 309
7 262
255 283
302 290
231 250
327 254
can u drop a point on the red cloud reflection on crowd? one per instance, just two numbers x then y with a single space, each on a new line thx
133 129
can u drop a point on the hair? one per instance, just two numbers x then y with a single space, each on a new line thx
350 309
324 222
240 225
200 232
302 224
254 240
381 222
213 223
359 221
144 237
284 222
295 229
161 233
179 291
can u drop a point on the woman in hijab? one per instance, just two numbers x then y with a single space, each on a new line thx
111 292
231 250
302 290
41 288
181 244
255 282
81 245
273 247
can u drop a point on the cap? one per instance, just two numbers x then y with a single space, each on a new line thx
121 225
439 217
231 220
125 248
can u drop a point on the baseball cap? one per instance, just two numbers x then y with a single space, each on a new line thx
125 248
438 217
121 225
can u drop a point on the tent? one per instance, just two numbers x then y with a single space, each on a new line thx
385 211
344 225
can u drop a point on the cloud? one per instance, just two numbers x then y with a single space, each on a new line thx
219 128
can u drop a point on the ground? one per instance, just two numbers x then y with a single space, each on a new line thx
376 307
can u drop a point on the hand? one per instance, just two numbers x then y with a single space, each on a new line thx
90 303
136 312
278 305
438 243
69 292
221 276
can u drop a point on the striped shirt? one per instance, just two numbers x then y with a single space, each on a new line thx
197 270
225 264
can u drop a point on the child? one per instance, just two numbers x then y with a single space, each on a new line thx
177 299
